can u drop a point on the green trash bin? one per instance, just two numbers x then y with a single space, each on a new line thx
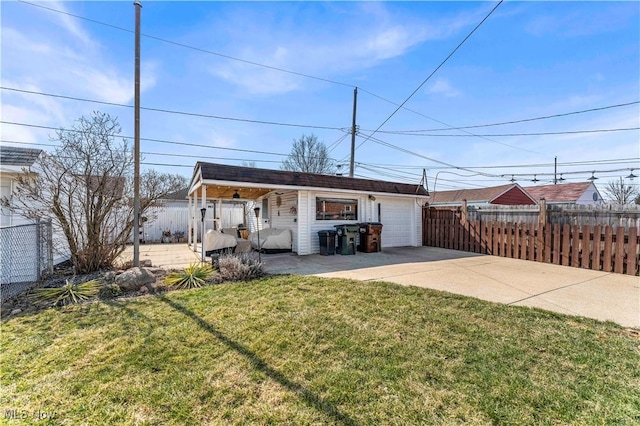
346 238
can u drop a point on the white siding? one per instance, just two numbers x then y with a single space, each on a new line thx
304 223
283 216
418 216
5 191
587 197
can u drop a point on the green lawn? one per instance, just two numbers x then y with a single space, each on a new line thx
305 350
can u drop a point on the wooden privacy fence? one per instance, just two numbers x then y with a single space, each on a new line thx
601 248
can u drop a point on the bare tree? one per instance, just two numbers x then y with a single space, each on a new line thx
619 192
310 156
85 185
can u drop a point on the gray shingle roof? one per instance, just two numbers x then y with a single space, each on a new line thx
281 177
181 194
13 156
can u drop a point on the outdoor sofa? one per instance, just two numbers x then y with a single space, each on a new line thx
271 240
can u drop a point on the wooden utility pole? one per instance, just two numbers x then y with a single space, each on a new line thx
353 133
555 170
136 144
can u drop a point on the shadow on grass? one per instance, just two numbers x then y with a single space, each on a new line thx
117 304
306 395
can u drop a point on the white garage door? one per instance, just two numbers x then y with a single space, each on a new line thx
398 222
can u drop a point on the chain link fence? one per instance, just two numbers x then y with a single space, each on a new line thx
26 252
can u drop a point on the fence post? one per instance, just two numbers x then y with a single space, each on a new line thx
464 227
618 265
50 245
542 224
38 249
542 214
631 250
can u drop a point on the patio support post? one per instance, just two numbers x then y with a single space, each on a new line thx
257 212
195 220
203 202
189 224
203 213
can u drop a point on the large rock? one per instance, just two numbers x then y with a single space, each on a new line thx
134 278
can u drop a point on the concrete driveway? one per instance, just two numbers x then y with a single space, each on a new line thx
600 295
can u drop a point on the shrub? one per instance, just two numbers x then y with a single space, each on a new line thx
240 267
69 293
108 291
193 276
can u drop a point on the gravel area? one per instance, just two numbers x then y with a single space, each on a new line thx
15 296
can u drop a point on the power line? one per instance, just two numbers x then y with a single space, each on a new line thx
186 46
164 154
375 169
306 76
335 144
524 120
153 140
566 132
387 144
567 163
432 73
191 114
264 66
449 126
148 139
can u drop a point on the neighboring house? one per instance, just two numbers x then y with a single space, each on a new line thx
14 162
306 203
583 193
511 194
25 250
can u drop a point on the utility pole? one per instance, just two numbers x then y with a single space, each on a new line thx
136 144
353 133
555 170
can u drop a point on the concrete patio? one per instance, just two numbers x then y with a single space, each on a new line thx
600 295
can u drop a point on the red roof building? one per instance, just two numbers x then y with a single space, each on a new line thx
567 193
511 195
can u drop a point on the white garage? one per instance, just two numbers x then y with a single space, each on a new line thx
306 203
400 219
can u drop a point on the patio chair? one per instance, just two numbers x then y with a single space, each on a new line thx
217 242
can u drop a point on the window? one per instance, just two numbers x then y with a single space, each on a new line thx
265 208
336 209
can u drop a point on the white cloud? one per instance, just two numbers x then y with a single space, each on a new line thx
55 63
375 37
442 87
69 24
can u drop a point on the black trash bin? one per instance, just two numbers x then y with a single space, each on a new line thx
347 238
370 237
327 242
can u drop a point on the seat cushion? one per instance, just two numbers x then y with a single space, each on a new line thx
215 240
230 231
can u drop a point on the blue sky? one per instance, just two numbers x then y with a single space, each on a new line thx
529 59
